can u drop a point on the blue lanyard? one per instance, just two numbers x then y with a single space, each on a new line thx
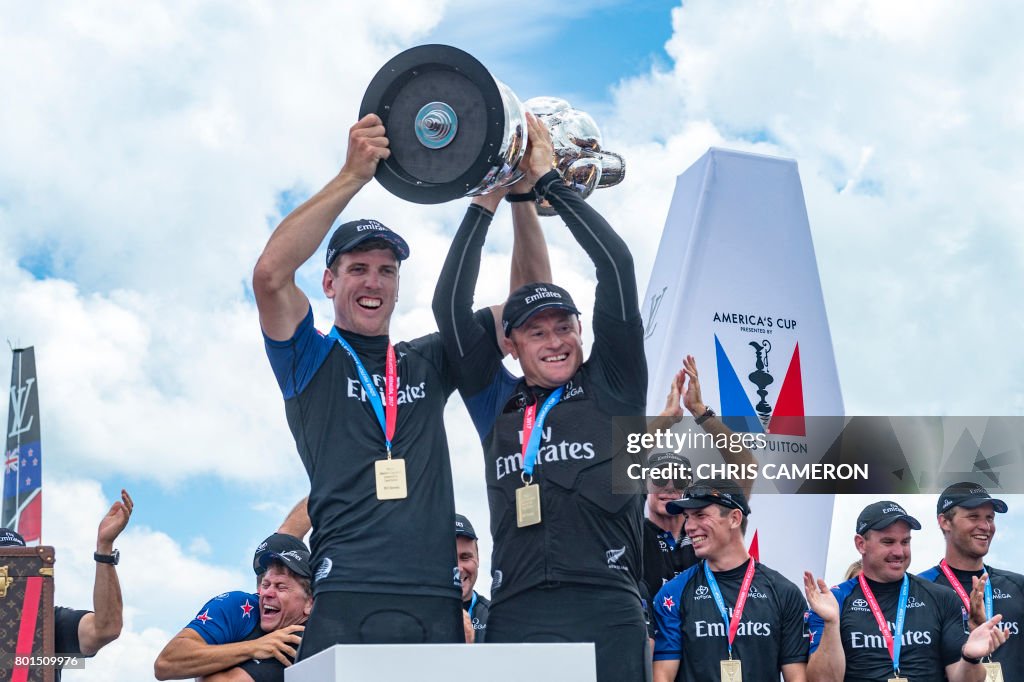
533 445
989 608
472 605
371 391
901 618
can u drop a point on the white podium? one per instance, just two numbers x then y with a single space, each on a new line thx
445 662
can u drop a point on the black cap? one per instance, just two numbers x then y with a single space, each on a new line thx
464 527
967 495
882 515
353 233
710 491
657 459
277 543
10 538
533 298
295 559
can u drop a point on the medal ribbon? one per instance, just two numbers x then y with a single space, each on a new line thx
893 641
533 429
472 605
741 600
386 410
964 597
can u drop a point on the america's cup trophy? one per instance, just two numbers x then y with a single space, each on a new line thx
455 130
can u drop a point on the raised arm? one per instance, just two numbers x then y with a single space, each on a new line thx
617 351
453 295
281 303
530 260
694 403
103 626
827 662
616 293
297 522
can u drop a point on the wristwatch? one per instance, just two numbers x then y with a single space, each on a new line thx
708 414
111 559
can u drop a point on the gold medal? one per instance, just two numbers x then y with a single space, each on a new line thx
993 672
731 670
390 479
528 505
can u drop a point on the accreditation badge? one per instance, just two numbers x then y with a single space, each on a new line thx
528 505
898 679
993 672
390 479
731 670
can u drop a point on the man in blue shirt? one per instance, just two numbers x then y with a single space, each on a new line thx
245 637
923 636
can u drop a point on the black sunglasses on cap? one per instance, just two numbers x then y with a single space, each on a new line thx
677 483
702 492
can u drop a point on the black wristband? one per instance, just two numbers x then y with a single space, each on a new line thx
111 559
546 181
968 659
708 414
525 196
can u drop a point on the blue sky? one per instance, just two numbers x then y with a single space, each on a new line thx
152 147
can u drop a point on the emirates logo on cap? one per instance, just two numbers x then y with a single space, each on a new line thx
541 293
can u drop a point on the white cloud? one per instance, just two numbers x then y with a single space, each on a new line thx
919 256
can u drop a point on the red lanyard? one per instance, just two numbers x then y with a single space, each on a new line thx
390 395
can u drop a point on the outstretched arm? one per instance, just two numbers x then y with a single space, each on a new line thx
188 654
281 303
689 385
103 626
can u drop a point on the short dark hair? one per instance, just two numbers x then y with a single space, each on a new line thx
724 511
304 582
374 244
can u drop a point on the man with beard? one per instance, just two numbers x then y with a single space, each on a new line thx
967 517
887 624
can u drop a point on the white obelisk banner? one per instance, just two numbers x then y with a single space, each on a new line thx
735 284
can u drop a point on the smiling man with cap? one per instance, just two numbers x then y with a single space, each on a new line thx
566 563
367 416
967 518
729 616
475 605
242 636
923 637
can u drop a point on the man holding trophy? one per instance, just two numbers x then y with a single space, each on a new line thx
366 415
567 557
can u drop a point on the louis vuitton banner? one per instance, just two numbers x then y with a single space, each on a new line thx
22 493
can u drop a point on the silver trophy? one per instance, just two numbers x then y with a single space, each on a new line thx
457 131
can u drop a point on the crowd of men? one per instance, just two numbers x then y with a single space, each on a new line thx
673 596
